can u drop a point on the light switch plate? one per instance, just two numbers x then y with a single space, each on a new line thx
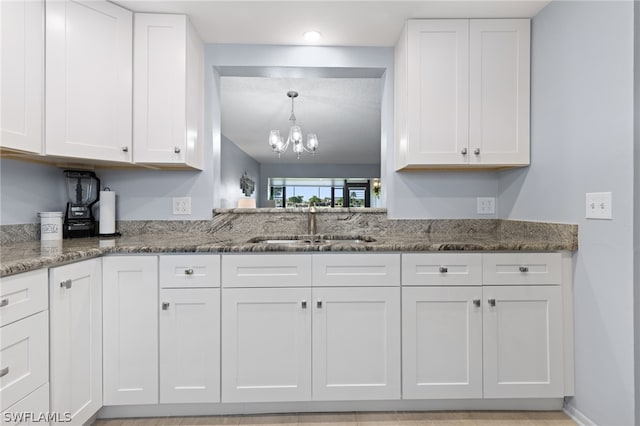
486 205
598 205
182 205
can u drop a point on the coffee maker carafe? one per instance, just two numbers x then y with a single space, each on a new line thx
83 188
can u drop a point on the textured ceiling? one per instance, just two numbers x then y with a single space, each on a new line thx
343 112
341 23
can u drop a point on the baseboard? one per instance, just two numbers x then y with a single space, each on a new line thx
577 416
163 410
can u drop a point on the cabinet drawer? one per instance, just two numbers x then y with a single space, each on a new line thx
23 295
24 358
521 268
33 404
266 270
441 269
190 271
357 269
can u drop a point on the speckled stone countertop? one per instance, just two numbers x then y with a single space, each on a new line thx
236 231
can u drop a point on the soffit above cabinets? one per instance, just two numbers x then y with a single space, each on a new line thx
341 23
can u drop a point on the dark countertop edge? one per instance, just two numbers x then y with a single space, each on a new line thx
17 267
262 210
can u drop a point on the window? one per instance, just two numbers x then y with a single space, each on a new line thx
323 192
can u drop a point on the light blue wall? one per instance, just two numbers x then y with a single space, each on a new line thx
314 171
235 163
582 141
408 194
29 188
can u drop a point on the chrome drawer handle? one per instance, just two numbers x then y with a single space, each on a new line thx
492 302
319 304
165 306
125 149
476 303
188 271
176 150
4 302
304 304
523 269
443 269
4 371
464 151
476 151
66 284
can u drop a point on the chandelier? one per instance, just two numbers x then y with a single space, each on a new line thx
277 143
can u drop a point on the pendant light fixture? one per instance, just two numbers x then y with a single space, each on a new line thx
277 143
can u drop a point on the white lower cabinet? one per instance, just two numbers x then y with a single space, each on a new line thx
474 341
356 343
266 344
272 352
130 330
75 293
31 410
442 342
522 337
189 345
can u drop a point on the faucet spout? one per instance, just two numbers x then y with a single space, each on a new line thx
312 227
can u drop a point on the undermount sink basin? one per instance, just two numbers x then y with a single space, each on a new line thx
309 240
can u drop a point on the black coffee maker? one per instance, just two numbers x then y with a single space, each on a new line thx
83 188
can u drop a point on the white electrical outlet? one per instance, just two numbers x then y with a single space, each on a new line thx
598 205
182 205
486 205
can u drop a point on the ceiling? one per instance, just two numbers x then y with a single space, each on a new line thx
343 112
341 23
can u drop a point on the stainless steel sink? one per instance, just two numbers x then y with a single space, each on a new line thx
314 240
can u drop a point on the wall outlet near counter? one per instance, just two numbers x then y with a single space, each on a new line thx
182 205
486 205
598 205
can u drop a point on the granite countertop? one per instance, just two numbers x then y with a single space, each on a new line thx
25 256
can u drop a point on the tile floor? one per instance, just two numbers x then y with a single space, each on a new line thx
440 418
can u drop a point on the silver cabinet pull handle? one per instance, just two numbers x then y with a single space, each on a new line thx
176 150
443 269
4 371
319 304
188 271
4 302
66 284
125 149
476 303
165 306
464 151
492 302
476 151
304 304
523 269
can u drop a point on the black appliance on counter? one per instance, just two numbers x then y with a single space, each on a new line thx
83 188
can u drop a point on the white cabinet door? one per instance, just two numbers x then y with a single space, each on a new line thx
22 31
130 330
523 342
190 345
437 92
168 88
19 414
442 342
356 343
499 91
75 293
88 80
266 344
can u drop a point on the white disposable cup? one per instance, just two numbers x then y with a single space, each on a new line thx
50 226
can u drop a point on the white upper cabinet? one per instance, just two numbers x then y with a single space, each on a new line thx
462 94
22 32
88 80
499 84
168 78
